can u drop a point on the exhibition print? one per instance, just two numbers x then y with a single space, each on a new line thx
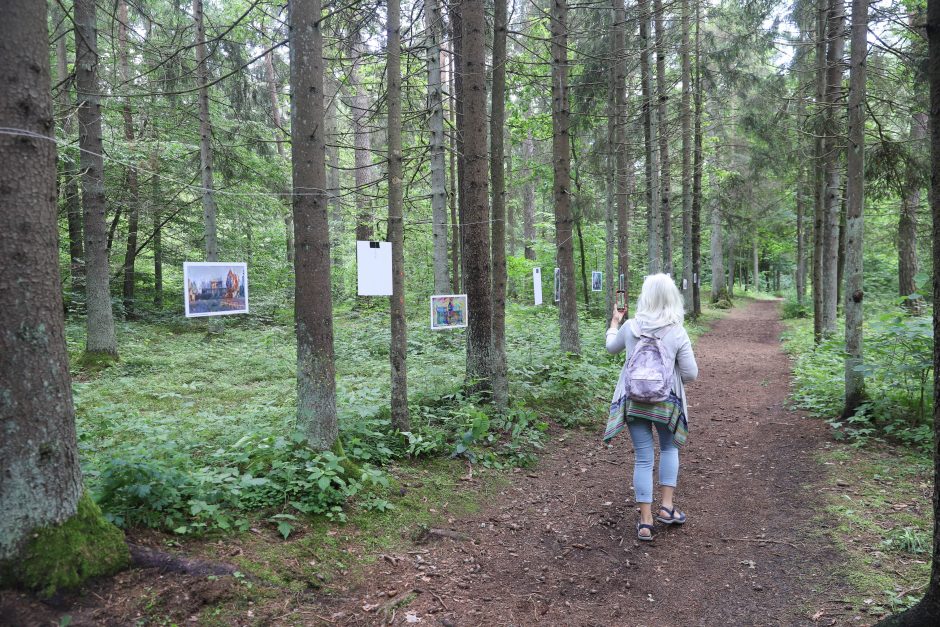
215 288
448 311
596 279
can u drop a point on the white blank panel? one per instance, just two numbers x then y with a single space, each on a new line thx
374 268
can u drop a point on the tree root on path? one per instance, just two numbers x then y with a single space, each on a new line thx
759 540
145 557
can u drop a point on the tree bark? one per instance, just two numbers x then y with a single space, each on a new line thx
133 189
434 24
474 192
42 481
362 141
819 197
800 275
157 233
686 121
278 132
100 341
452 194
561 184
832 151
499 375
907 223
209 208
650 135
855 209
313 307
755 253
623 164
663 135
528 197
70 194
697 175
719 286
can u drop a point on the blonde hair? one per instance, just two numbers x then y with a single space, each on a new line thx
660 303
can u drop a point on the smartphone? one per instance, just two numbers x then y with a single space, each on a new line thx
621 300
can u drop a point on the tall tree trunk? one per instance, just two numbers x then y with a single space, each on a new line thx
840 262
697 175
42 481
459 52
719 286
663 136
434 23
836 25
819 197
686 117
855 209
800 241
362 141
100 341
528 197
396 228
209 208
474 193
623 165
499 375
133 189
278 132
73 209
561 184
512 237
650 135
455 239
157 234
333 178
907 224
313 306
756 259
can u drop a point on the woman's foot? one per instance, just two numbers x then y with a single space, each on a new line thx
644 532
670 516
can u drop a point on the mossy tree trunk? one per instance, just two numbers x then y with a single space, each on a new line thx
50 534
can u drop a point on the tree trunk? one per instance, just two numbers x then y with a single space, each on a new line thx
907 224
313 307
362 141
697 175
719 288
819 197
499 375
512 226
333 182
650 135
396 228
73 209
452 195
927 611
475 202
209 208
561 184
800 242
528 197
663 135
623 164
855 209
756 258
434 23
157 234
41 493
133 190
271 79
836 25
100 341
840 263
686 121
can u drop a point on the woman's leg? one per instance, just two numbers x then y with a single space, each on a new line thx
641 432
668 465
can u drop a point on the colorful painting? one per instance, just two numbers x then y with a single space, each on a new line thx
596 279
215 288
449 311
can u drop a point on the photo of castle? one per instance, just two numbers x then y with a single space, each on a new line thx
215 288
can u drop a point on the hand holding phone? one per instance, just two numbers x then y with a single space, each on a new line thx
621 300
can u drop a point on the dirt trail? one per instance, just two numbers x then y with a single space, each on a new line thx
559 547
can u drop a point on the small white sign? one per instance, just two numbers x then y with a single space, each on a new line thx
537 285
215 288
557 284
374 268
685 284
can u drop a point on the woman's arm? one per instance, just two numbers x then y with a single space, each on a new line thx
685 360
616 338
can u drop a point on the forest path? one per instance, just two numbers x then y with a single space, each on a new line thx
559 547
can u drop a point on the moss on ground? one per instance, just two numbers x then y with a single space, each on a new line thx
64 556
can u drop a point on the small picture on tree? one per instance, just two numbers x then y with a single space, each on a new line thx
596 279
448 311
557 284
215 288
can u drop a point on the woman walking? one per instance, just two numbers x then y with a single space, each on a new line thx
656 330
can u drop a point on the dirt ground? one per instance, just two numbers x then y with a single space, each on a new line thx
558 547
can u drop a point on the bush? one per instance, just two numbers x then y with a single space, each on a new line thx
794 310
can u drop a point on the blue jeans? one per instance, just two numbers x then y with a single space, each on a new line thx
641 432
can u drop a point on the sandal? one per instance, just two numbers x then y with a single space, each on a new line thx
675 518
640 536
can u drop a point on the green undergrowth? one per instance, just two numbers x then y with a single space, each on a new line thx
878 513
193 434
898 368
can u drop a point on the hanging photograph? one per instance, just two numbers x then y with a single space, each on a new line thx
215 288
448 311
596 279
374 268
537 285
557 284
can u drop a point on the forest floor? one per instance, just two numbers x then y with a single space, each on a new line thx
555 544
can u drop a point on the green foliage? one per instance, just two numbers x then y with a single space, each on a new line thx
793 309
908 540
63 556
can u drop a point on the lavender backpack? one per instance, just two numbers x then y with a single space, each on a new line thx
650 369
